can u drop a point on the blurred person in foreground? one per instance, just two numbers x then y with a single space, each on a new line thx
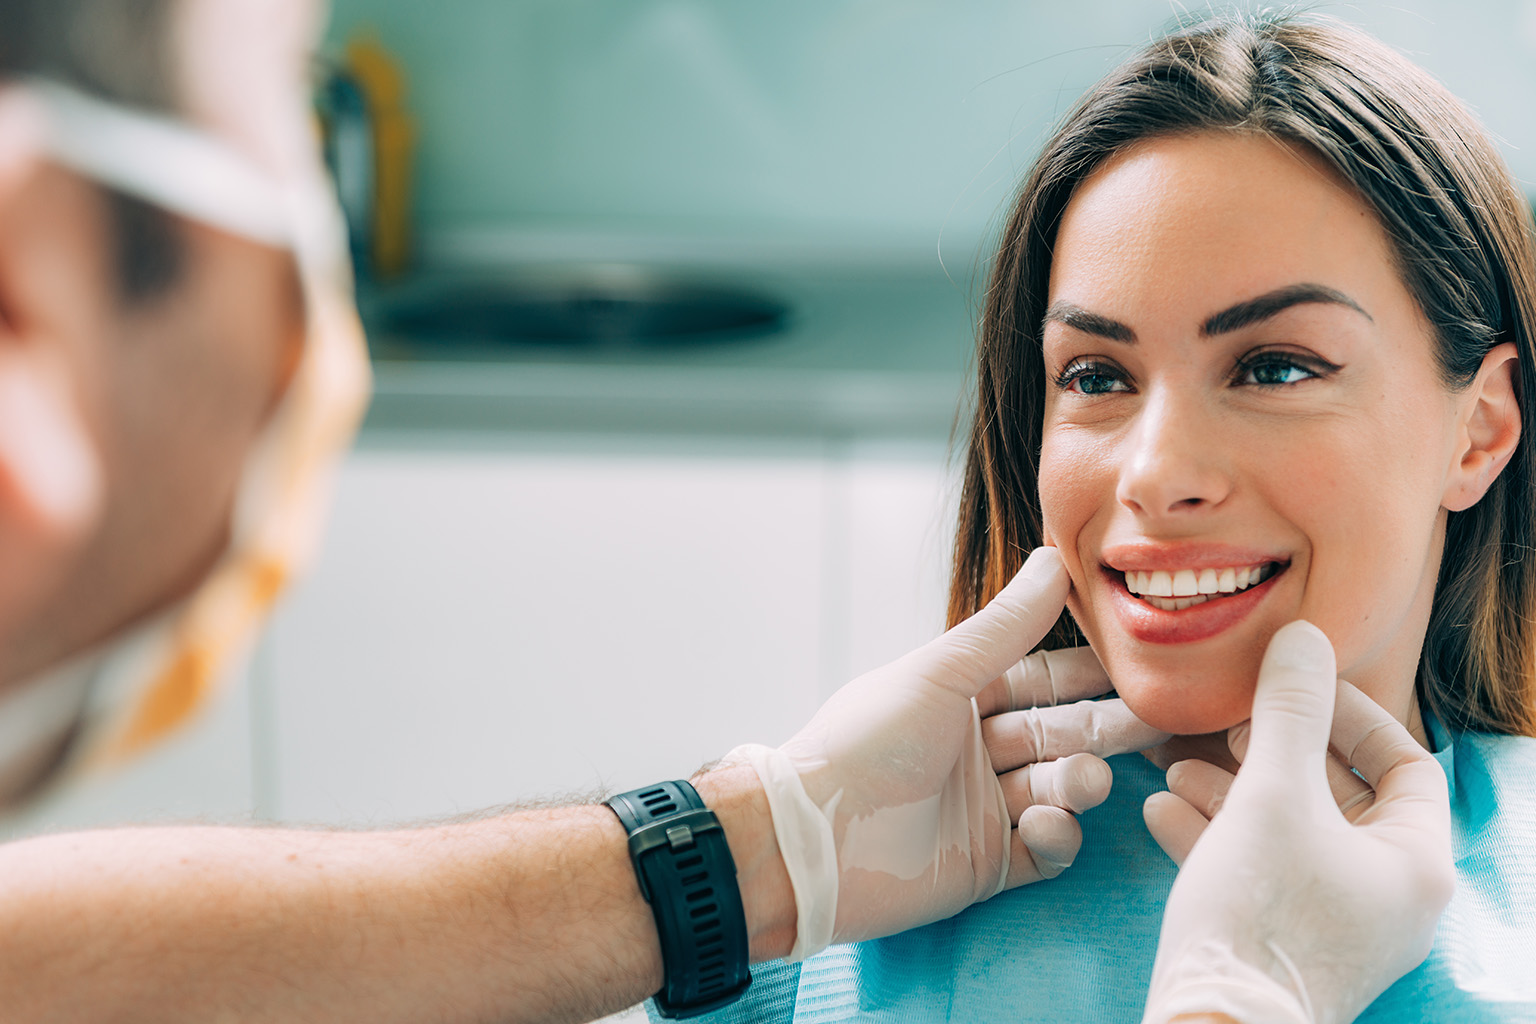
180 366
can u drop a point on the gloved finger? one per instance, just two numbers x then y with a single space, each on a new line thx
1046 678
1350 792
984 646
1293 703
1073 783
1200 784
1353 796
1367 736
1204 786
1102 727
1044 845
1403 774
1174 824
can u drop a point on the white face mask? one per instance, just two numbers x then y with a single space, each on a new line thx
154 680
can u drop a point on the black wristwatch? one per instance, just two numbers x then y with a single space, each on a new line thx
688 877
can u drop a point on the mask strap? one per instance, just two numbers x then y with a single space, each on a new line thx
161 161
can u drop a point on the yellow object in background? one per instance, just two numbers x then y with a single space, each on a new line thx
382 81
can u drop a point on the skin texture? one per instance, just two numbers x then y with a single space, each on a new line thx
455 923
164 399
1169 444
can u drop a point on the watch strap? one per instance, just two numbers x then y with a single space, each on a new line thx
686 873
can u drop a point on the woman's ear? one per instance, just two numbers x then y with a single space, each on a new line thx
1489 429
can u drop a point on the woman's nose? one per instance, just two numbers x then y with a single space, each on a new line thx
1174 462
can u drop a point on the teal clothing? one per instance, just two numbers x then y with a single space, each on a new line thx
1080 947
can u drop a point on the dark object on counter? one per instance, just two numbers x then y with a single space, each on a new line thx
348 144
587 305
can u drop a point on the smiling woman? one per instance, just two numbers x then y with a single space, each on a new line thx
1295 211
1257 347
1244 383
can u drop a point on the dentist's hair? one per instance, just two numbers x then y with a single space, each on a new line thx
119 50
1462 237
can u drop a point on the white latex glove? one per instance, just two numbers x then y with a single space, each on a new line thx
1284 909
887 808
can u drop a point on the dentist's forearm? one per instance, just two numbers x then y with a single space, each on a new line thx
535 916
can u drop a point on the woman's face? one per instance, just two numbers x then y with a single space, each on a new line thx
1244 425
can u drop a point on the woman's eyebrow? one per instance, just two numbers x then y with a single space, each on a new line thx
1250 311
1078 318
1271 303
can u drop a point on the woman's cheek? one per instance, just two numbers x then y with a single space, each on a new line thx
1051 481
1069 501
1076 486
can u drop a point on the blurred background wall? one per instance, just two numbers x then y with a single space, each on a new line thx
880 119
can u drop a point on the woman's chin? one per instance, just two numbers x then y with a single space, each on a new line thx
1186 706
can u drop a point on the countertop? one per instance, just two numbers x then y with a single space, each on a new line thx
870 346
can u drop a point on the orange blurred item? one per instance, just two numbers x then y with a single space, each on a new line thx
382 80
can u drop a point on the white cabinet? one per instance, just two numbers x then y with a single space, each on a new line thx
510 621
521 619
891 530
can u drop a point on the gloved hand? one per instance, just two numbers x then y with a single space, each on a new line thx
1284 908
888 810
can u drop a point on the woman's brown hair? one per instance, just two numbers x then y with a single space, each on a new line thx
1462 236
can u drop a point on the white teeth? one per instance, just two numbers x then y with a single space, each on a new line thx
1176 589
1176 604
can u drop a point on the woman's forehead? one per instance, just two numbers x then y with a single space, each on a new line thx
1213 219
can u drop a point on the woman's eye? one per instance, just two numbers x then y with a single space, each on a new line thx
1274 372
1091 379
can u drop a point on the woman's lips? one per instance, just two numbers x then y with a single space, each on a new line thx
1204 616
